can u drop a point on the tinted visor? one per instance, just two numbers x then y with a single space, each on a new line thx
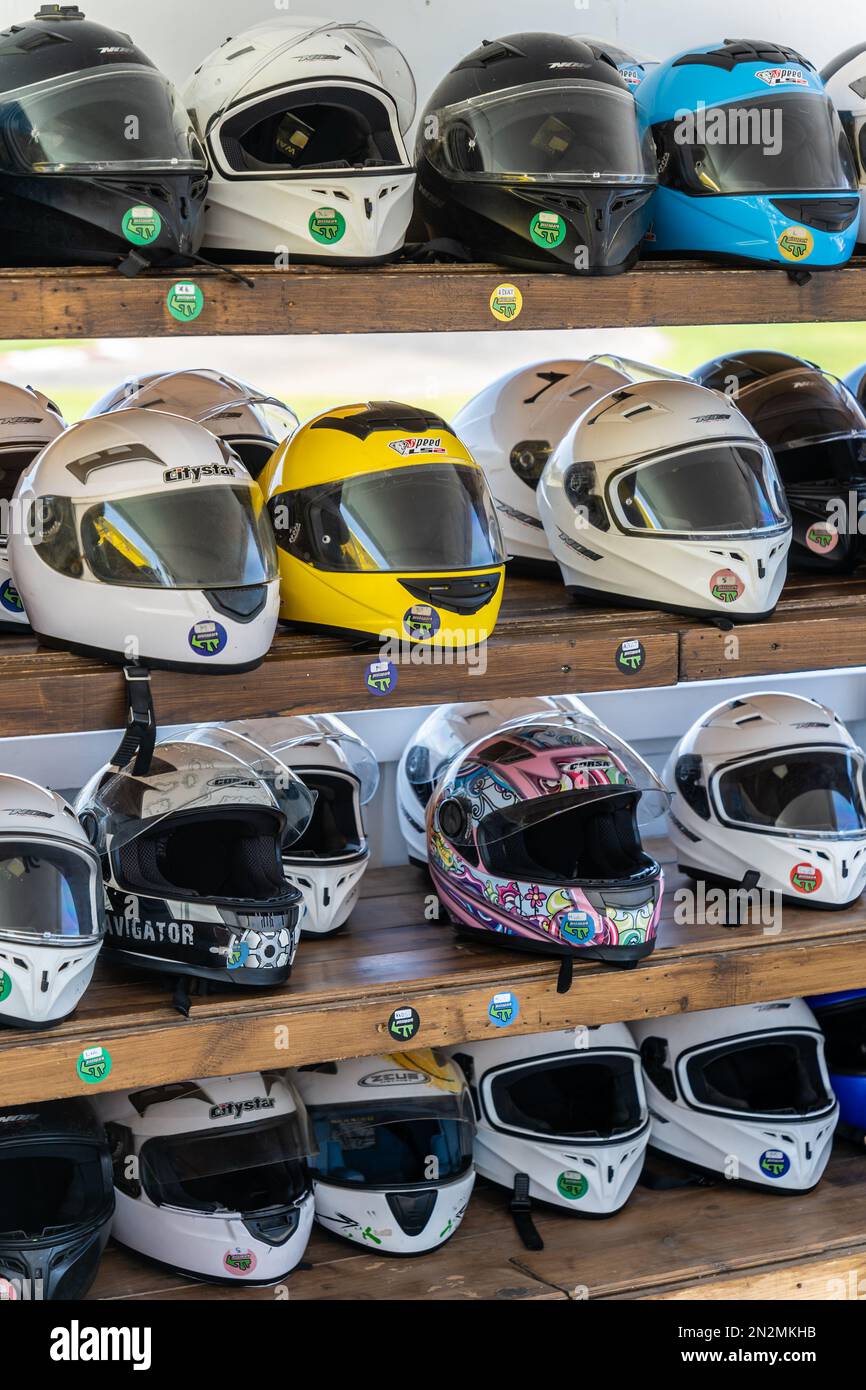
333 128
249 1169
844 1027
390 1144
48 893
48 1189
765 1075
833 463
711 489
790 408
813 791
593 1097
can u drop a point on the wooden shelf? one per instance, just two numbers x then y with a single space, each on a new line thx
80 302
690 1243
343 991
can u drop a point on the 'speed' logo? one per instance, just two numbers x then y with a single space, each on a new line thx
417 445
782 77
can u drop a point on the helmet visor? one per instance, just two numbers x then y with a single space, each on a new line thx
80 123
844 1027
49 893
392 1144
810 791
305 738
436 517
706 490
50 1189
769 1075
232 750
595 1097
800 406
548 132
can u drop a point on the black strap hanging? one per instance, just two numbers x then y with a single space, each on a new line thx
521 1211
140 735
565 976
749 881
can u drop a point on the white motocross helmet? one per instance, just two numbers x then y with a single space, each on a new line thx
845 80
327 862
52 921
211 1177
743 1092
771 785
28 421
567 1108
144 538
512 427
662 495
445 733
303 122
393 1169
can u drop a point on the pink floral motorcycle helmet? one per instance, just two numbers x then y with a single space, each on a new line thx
533 836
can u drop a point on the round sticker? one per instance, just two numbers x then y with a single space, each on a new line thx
726 586
503 1009
774 1163
806 878
421 622
404 1024
5 986
547 229
577 927
822 538
380 677
630 656
93 1065
10 598
327 226
796 243
506 303
185 301
141 225
239 1261
572 1185
238 955
8 1292
208 638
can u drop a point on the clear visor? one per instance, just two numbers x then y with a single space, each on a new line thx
765 1075
394 1143
303 736
595 1097
49 893
800 406
814 792
250 415
79 123
708 489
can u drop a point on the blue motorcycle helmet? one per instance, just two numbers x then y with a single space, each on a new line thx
842 1017
753 161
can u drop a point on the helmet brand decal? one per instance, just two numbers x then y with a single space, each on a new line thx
417 445
239 1261
503 1009
233 1109
404 1024
726 586
193 472
779 77
134 928
572 1185
806 878
774 1163
208 638
796 243
327 226
394 1078
93 1065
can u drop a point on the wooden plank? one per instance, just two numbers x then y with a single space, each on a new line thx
80 302
820 1278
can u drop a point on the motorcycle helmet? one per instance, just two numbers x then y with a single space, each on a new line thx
567 1109
250 423
327 861
741 1093
142 529
533 840
845 80
528 154
56 1200
445 733
192 860
99 162
28 421
817 432
842 1017
304 124
52 920
512 427
771 785
393 1169
662 496
729 184
632 67
385 528
211 1177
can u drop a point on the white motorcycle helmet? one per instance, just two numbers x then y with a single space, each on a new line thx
303 122
28 421
327 862
512 427
445 733
393 1169
144 538
211 1177
567 1109
770 786
743 1093
845 80
662 495
52 921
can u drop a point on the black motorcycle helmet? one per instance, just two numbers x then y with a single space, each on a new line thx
99 163
56 1199
528 154
817 431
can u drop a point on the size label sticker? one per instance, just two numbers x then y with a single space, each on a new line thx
381 678
547 229
806 878
185 301
93 1065
141 225
821 538
631 656
327 226
404 1024
503 1009
506 303
796 243
727 587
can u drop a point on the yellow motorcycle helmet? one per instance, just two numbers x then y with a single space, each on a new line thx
385 528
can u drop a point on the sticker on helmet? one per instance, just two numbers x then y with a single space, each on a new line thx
506 302
5 986
806 878
208 638
238 1261
10 598
630 75
421 622
630 656
726 586
422 444
782 77
577 927
380 677
93 1065
8 1292
185 301
547 229
821 538
572 1185
796 243
774 1163
238 954
327 226
404 1024
141 225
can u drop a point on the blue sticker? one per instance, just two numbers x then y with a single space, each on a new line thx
774 1163
577 926
10 598
503 1009
381 678
238 955
208 638
421 622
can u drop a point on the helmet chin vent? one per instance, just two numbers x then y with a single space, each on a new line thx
463 594
241 604
412 1210
826 214
274 1227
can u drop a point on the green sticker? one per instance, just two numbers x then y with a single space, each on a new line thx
5 986
327 226
93 1065
185 301
141 225
572 1185
547 229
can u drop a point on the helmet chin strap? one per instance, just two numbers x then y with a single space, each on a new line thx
133 263
521 1211
140 735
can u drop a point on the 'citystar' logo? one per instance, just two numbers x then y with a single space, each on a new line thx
77 1343
192 472
417 446
233 1109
